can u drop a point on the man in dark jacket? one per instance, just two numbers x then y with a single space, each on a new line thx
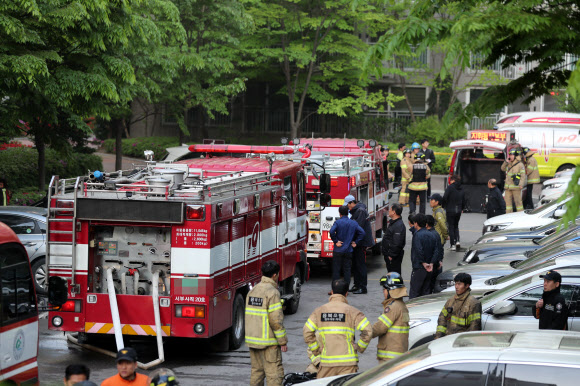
454 203
551 309
344 233
421 257
495 202
394 239
429 160
358 213
438 253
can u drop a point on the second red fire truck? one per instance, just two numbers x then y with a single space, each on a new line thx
172 249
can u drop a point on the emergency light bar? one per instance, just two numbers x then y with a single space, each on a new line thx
241 149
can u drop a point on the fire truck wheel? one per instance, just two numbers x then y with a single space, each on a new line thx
293 286
238 329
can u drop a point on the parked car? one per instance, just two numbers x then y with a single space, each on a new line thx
568 264
483 251
478 358
498 311
553 189
505 265
29 224
521 233
542 215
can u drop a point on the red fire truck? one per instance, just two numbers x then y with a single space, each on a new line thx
355 167
171 249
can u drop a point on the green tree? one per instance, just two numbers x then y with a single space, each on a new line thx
314 48
63 61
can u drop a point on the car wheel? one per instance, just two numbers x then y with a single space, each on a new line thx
238 329
565 167
39 274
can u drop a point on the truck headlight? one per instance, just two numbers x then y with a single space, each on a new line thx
417 322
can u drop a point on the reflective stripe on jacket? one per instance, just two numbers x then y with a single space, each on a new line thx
264 316
406 169
460 314
532 170
392 328
512 169
336 323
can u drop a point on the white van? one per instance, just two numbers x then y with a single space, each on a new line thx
553 136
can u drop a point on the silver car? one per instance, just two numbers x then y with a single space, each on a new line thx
522 358
29 224
506 309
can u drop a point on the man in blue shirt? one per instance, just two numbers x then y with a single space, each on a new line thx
346 234
422 250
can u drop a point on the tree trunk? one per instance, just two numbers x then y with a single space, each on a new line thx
117 125
402 80
437 102
41 149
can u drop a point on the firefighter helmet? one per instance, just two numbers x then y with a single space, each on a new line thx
392 281
514 151
162 377
420 156
525 150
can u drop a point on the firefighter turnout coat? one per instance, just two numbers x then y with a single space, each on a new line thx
264 316
392 328
406 171
532 171
419 176
336 323
514 170
461 313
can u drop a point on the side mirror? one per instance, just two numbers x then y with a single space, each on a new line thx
505 307
325 199
559 213
57 291
325 183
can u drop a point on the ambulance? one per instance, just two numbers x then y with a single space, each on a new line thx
554 137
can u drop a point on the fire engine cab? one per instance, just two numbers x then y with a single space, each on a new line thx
172 249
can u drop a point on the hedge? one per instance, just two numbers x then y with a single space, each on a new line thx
134 147
19 166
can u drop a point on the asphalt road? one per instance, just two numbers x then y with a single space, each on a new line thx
195 363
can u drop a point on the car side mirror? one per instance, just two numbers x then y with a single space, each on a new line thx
325 183
57 291
559 213
505 307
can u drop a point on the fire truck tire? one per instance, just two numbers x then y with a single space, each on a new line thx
293 285
238 329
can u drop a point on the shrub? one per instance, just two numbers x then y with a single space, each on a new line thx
19 166
134 147
434 131
26 196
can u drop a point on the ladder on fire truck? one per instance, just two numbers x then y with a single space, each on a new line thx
65 249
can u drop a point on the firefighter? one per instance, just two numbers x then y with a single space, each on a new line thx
265 332
418 184
461 312
385 155
551 309
515 173
532 176
5 194
392 327
336 322
406 170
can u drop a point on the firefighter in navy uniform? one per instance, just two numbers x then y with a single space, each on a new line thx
336 323
418 184
551 309
392 328
265 332
462 312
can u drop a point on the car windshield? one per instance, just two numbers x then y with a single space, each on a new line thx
561 234
379 372
524 272
550 205
492 298
539 257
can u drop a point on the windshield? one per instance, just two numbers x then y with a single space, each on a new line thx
550 205
541 256
492 298
555 237
381 371
524 272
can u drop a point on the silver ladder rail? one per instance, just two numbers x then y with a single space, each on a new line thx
55 188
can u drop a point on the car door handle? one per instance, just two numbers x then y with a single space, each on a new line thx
29 244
